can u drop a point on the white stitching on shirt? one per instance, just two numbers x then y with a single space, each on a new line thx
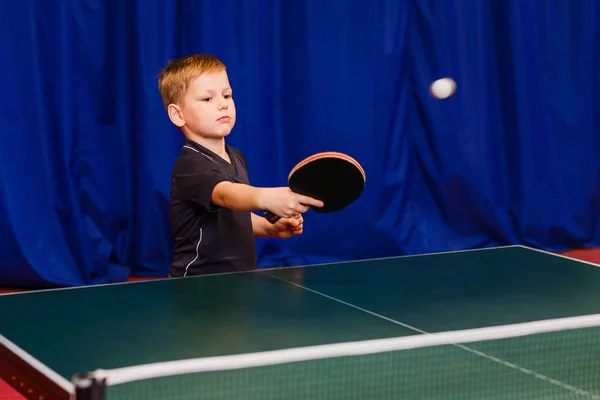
197 254
200 238
191 148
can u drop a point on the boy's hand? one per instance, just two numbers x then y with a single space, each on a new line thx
284 203
288 227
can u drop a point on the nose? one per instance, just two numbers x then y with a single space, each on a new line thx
223 104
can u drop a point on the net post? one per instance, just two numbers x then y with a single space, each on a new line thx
89 386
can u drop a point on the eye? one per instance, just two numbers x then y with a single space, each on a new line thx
207 99
227 96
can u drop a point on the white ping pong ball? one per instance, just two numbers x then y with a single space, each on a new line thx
443 88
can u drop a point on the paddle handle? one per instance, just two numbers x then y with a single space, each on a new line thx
272 218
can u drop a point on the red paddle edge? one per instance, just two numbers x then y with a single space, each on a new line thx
328 154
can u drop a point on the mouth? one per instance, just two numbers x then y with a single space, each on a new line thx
224 118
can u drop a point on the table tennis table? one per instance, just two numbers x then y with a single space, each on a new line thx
496 323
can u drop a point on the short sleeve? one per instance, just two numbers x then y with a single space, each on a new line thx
194 181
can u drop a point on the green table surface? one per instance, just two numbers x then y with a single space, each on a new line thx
110 326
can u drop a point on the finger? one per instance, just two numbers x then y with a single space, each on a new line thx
292 222
309 201
281 223
297 221
301 208
293 225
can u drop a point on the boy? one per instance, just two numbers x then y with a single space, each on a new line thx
211 198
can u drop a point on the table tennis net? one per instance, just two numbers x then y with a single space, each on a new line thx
549 359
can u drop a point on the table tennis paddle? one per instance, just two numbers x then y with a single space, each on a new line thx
334 178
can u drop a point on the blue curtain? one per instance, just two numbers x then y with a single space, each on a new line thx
86 148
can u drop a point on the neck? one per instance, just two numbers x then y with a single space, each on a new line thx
217 146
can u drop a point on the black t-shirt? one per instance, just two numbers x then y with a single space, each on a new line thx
208 238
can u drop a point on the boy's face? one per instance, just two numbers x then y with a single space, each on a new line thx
208 109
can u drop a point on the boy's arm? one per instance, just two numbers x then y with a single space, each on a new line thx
207 186
279 200
237 196
262 227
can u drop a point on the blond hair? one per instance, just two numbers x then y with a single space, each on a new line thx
174 80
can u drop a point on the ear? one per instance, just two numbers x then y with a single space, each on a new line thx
176 115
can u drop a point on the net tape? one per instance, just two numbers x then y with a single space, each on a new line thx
267 358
